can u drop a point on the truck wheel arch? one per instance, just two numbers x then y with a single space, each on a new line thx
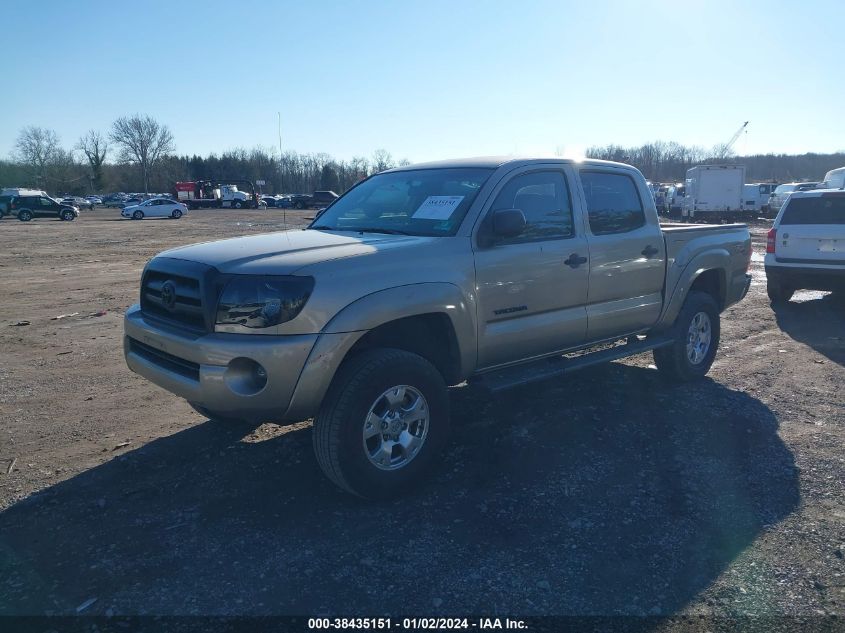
705 272
439 317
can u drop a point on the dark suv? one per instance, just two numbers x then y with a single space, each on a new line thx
29 207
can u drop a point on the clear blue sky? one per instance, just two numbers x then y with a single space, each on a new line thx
430 79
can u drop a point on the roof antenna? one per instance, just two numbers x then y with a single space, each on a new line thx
284 209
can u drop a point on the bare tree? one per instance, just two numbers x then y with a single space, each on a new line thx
37 147
142 140
382 160
95 146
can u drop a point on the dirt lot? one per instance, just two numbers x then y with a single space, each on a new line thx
607 493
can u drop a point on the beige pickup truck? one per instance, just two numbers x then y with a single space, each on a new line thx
493 271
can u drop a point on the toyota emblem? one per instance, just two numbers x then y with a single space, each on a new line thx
168 295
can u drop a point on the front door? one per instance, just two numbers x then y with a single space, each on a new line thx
531 288
627 255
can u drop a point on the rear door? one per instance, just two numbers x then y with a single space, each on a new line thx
627 254
531 288
812 230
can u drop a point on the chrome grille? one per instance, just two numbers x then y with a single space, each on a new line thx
173 297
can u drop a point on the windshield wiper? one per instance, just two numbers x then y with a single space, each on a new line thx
377 229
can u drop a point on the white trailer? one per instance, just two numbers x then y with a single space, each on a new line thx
835 179
714 193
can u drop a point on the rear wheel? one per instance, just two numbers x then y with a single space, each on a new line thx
24 215
382 423
138 215
779 293
176 214
696 334
299 205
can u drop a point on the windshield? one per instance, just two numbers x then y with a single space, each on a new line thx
414 202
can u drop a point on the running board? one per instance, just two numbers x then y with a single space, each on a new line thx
546 368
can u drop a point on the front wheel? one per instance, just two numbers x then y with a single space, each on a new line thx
696 333
138 215
68 216
176 214
238 204
299 205
382 423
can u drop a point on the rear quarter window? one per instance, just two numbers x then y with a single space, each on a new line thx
819 210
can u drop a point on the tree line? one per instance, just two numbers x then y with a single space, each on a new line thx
137 153
668 162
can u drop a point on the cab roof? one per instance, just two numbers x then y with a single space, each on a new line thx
494 162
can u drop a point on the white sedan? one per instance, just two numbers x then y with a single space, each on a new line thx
155 208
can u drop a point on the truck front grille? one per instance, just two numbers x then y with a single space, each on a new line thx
173 297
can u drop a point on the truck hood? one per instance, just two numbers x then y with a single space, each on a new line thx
286 252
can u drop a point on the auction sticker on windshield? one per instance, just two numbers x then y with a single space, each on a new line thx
437 207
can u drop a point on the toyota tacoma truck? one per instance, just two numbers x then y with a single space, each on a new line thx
493 271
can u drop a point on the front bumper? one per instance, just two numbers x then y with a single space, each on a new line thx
209 370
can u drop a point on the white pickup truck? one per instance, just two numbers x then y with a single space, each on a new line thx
494 271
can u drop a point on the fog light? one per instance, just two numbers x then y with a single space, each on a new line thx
245 377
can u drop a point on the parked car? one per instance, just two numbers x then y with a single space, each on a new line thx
94 199
270 201
675 199
317 199
781 193
28 207
363 319
755 196
805 248
155 208
115 201
78 202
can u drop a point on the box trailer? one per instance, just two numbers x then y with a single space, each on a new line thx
714 193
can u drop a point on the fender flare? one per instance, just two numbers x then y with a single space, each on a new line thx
399 302
713 259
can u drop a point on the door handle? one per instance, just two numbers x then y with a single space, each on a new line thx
649 251
575 260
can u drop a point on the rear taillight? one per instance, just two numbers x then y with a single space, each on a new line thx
771 239
12 205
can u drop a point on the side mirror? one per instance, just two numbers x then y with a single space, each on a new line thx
508 222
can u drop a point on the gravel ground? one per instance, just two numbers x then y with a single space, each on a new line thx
606 493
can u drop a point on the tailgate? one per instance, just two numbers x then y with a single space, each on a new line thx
812 229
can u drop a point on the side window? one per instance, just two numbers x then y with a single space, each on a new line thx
544 199
613 204
44 202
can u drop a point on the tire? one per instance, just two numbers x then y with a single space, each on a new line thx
361 393
299 206
68 216
778 292
688 359
138 215
176 214
24 215
238 204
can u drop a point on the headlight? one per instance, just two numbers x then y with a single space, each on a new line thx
260 301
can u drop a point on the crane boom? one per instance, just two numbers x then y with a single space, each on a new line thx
734 138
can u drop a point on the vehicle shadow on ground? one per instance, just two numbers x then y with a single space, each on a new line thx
606 493
819 323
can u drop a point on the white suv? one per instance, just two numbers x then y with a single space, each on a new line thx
806 245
